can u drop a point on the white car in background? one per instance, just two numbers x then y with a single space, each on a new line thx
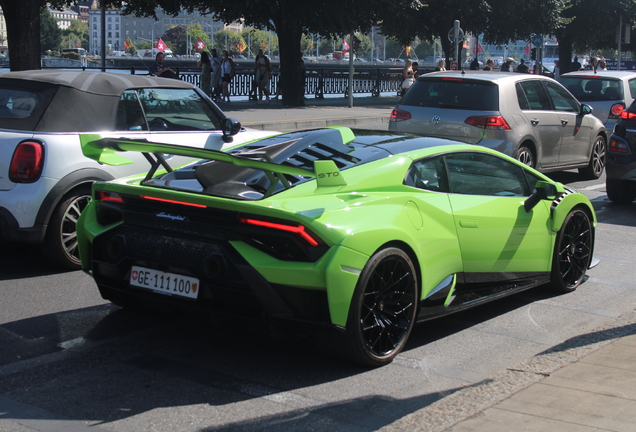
45 179
608 92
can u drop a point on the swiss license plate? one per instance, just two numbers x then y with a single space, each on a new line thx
165 283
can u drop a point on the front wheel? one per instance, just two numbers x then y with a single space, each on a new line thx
383 309
619 191
572 252
60 242
597 160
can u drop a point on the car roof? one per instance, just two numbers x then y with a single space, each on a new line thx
601 74
102 83
492 76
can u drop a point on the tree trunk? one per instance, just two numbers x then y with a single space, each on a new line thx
292 80
23 33
565 54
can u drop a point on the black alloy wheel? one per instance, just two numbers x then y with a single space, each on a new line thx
572 251
383 308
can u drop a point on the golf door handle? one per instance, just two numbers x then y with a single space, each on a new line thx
534 122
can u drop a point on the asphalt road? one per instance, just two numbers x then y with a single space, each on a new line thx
70 360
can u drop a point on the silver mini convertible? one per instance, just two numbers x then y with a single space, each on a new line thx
530 117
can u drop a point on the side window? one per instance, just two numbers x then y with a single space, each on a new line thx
632 88
521 97
177 110
130 115
535 94
484 174
563 101
428 174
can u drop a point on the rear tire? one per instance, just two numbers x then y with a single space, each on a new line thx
572 252
60 241
383 309
619 191
525 156
597 160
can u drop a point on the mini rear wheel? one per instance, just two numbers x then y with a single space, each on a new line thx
60 242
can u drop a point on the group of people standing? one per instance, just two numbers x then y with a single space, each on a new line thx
217 74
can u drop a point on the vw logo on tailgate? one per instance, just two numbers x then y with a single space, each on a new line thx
436 120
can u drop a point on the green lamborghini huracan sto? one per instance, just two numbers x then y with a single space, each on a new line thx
352 236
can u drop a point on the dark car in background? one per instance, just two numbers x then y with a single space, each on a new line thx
607 92
620 179
530 117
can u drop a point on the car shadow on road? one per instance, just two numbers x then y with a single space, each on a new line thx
138 361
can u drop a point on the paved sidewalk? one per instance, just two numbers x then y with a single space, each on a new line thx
332 111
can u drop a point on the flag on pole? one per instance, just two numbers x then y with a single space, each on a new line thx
345 46
310 46
128 44
199 45
264 45
241 46
528 48
407 50
161 46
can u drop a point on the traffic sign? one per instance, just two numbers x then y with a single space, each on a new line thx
537 40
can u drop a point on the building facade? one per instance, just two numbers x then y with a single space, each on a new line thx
119 27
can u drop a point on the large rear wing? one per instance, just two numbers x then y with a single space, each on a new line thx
105 150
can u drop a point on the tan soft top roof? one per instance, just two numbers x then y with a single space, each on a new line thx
104 83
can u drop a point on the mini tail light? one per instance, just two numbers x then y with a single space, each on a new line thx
400 115
618 146
106 196
488 122
626 115
617 110
27 162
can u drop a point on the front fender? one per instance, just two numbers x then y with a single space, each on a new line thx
563 205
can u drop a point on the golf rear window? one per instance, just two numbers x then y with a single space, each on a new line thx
593 88
453 93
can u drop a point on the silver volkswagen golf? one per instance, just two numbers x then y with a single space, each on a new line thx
530 117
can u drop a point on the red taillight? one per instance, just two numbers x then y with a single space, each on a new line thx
617 110
27 162
174 202
399 115
106 196
488 122
297 229
626 115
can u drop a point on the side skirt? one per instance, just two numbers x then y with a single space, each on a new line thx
469 292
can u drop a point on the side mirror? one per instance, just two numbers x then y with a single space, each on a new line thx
586 109
230 128
544 191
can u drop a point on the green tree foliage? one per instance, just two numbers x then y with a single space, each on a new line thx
76 33
227 39
290 19
256 39
591 25
50 33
